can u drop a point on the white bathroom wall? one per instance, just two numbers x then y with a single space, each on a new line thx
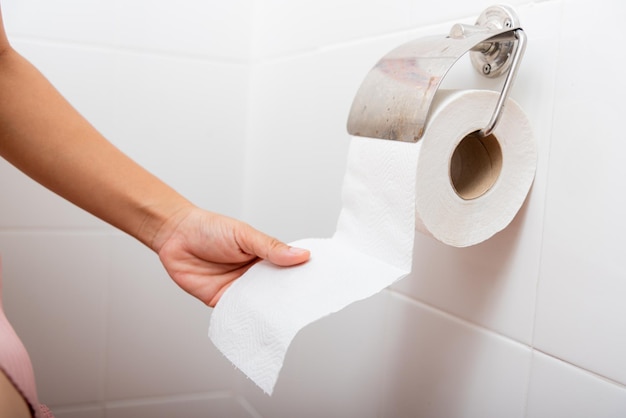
109 333
528 324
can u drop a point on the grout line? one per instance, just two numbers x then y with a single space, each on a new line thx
453 317
483 330
547 186
104 360
543 215
243 402
112 48
152 400
583 369
158 400
356 41
88 232
78 407
248 138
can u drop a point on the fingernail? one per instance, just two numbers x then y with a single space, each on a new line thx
297 251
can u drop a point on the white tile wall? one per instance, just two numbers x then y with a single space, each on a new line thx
69 20
580 313
261 90
188 27
284 27
439 366
184 120
219 29
559 389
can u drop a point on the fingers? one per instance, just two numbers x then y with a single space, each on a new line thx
273 250
284 255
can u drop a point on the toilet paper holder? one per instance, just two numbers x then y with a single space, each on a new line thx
395 97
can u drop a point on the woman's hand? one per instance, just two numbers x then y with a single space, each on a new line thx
204 252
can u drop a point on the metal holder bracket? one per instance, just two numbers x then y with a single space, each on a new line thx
395 97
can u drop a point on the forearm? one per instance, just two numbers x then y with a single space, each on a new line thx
43 136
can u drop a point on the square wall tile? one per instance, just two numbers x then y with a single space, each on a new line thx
158 341
561 390
55 295
215 29
297 148
333 368
285 28
185 121
581 313
439 366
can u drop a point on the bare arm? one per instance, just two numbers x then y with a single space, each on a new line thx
43 136
46 138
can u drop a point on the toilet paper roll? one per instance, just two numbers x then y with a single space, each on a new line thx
452 185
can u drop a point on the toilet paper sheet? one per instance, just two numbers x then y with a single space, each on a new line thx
389 189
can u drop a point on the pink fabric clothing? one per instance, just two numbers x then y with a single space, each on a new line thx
16 365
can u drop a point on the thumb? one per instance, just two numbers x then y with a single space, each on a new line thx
273 250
